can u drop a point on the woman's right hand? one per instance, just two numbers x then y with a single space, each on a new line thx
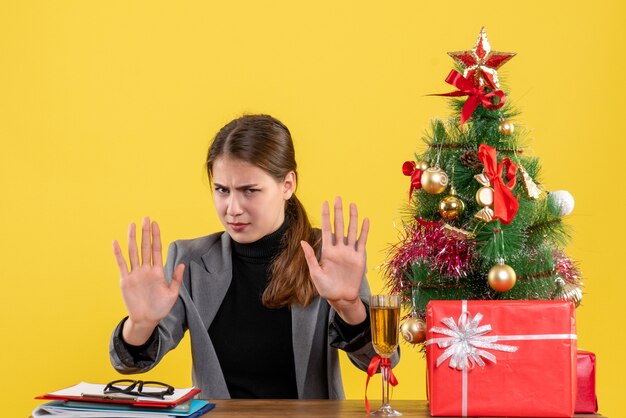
147 295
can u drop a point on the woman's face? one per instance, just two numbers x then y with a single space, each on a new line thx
249 202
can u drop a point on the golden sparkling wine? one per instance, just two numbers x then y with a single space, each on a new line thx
385 329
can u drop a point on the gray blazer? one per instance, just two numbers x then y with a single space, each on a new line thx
208 275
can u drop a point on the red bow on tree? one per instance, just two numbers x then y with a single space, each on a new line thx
409 168
476 95
505 204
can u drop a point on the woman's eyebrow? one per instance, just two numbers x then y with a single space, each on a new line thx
242 187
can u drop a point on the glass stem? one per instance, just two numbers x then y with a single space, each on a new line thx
384 371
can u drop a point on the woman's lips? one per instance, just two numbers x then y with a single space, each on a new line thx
238 227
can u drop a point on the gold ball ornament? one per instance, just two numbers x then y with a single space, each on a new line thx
434 180
413 330
506 128
451 207
501 277
421 166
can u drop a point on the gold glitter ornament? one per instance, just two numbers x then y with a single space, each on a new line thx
457 233
434 180
413 330
451 206
506 128
501 277
569 291
485 214
532 190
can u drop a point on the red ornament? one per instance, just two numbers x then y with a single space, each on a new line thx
409 168
481 63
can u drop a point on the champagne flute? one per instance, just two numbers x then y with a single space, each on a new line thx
385 321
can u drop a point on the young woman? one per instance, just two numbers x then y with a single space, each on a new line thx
268 301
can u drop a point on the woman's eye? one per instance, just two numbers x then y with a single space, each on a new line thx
221 190
251 191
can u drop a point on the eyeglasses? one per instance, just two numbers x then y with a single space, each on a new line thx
139 388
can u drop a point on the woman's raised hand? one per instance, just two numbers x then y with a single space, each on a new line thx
147 295
338 274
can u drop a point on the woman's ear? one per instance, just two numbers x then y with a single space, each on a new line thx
289 185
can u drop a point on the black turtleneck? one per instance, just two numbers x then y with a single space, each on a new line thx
254 343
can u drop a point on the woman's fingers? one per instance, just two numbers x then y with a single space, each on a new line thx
121 263
339 231
133 255
353 225
360 246
311 259
157 256
327 233
146 247
177 278
151 249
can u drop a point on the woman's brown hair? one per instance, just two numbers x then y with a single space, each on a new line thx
265 142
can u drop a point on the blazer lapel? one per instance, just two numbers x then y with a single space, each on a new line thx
215 276
304 321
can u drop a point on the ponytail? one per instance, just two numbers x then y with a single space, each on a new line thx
290 280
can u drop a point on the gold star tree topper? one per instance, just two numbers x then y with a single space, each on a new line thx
481 63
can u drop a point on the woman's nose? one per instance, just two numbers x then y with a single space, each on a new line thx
234 207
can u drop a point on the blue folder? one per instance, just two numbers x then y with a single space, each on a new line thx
196 409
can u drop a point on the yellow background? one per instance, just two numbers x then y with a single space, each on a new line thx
107 108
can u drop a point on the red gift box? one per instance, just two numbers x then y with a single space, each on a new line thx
501 358
586 400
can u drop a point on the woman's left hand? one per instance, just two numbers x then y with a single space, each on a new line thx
338 274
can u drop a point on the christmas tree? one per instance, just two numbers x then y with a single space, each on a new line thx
479 223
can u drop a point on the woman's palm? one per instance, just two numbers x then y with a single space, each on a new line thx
147 294
338 274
